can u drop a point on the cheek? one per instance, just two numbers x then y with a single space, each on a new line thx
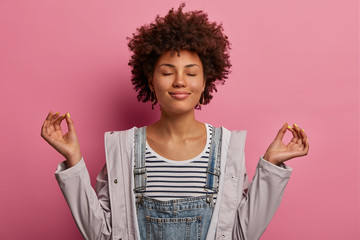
159 84
198 86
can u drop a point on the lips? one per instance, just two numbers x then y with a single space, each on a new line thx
179 95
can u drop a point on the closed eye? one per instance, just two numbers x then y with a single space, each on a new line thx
191 75
167 74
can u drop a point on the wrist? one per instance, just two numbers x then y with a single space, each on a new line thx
270 160
73 160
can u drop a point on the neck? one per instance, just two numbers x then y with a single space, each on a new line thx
178 125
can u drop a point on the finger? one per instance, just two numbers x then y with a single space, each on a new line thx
295 134
43 129
307 146
45 125
303 151
305 140
53 118
303 133
49 115
281 132
47 120
70 123
298 131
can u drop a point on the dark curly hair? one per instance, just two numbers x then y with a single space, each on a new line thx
176 31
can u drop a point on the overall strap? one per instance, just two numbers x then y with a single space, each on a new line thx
213 169
139 154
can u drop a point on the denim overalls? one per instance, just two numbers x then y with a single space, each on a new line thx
187 218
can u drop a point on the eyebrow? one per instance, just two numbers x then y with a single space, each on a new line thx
187 66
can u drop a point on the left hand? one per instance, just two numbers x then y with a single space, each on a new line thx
278 152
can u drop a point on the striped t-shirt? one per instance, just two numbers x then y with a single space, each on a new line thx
169 179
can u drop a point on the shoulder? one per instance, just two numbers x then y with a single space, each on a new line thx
229 132
232 137
120 132
127 133
124 138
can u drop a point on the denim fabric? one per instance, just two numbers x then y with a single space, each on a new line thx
187 218
139 153
213 170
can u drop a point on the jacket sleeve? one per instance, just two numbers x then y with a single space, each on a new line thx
90 209
260 199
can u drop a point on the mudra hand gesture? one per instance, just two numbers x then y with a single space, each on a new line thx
66 144
278 152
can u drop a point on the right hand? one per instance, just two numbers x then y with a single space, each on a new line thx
68 144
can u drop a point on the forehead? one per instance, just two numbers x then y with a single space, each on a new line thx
184 57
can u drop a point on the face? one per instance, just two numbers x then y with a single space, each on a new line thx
178 81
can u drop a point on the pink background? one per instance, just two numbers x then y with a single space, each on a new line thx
294 61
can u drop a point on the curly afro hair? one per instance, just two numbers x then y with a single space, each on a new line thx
176 31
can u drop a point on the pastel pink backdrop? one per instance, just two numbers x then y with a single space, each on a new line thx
293 61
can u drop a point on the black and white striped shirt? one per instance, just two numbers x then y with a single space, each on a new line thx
168 179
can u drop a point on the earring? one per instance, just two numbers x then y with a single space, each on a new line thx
152 99
201 100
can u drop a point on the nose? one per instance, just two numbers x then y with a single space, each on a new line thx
179 80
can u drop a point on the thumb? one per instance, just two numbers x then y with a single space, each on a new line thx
281 132
70 123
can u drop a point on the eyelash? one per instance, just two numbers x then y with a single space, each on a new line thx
189 74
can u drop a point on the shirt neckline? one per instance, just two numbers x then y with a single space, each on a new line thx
187 160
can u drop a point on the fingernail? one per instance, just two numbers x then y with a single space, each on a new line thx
289 127
63 115
285 123
303 130
68 115
295 125
56 112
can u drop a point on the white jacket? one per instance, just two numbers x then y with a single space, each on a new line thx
242 210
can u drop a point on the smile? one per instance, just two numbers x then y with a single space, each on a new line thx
179 95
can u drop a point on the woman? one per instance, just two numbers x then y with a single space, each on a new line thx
167 180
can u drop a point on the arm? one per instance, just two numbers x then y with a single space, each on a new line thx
260 199
90 210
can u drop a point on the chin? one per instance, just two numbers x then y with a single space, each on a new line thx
178 108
